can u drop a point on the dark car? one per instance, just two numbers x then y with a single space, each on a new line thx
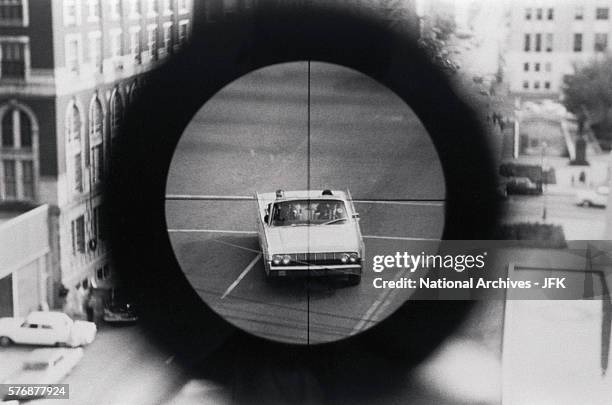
119 309
522 185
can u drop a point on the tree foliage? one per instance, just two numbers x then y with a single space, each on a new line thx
436 32
588 94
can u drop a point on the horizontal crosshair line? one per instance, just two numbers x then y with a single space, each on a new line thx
399 201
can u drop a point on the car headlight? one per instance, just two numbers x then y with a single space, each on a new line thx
277 259
345 258
353 257
286 259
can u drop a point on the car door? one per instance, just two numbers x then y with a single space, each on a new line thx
28 333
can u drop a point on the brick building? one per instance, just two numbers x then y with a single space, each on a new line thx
68 69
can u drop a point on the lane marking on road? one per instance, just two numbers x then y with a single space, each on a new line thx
209 197
370 317
241 276
194 230
399 238
236 246
418 203
205 197
212 231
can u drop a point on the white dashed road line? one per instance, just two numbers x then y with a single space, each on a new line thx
241 276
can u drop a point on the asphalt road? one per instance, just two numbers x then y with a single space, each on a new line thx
253 136
579 223
121 366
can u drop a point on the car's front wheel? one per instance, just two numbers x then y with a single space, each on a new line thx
5 341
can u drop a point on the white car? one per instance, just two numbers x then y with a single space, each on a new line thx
310 233
590 198
45 366
46 328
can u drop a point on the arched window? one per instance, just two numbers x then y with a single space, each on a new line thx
73 138
116 118
17 154
116 113
73 123
96 136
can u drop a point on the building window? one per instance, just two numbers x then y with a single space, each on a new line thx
72 12
13 13
548 42
601 42
95 50
73 124
547 85
10 179
73 137
536 67
134 8
602 13
152 41
96 136
135 44
183 32
579 13
116 43
116 117
539 13
550 14
78 172
93 10
526 66
17 155
73 54
577 42
526 85
547 67
536 85
528 14
115 9
78 235
527 43
13 65
538 42
16 130
167 37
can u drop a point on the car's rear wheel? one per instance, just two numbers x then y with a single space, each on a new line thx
5 341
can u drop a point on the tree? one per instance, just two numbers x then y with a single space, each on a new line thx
588 95
436 32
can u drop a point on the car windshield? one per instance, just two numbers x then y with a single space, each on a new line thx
308 212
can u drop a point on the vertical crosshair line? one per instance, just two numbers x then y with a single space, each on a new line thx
308 188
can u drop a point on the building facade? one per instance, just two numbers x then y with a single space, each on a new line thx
548 37
68 70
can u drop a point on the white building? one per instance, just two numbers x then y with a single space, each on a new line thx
547 37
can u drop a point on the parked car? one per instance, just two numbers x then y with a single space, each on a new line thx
44 366
522 185
593 198
310 233
46 328
119 308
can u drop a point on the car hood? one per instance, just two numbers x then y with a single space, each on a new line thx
314 239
